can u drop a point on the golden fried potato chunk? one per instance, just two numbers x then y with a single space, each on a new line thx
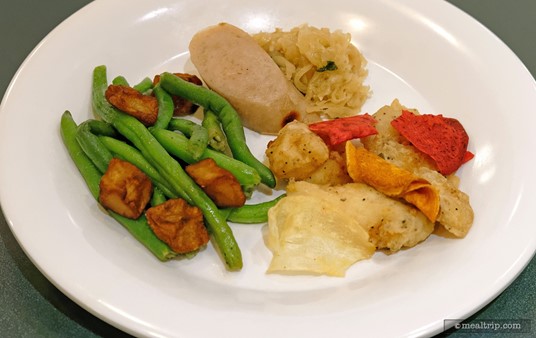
181 106
297 152
332 172
134 103
125 189
179 225
218 183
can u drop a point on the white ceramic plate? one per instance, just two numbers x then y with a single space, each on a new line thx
427 53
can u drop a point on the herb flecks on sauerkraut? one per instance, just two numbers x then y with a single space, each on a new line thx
323 65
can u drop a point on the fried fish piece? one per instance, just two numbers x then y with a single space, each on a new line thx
134 103
125 189
179 225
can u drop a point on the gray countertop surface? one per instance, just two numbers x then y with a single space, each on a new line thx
30 306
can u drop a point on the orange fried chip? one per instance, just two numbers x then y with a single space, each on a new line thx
366 167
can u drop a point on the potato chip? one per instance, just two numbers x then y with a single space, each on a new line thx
310 231
369 168
337 131
443 139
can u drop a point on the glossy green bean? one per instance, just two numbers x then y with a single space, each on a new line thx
176 144
169 168
120 81
252 213
165 107
144 85
197 136
93 147
158 197
230 120
139 228
99 127
216 137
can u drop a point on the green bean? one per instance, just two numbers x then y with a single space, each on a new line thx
216 137
93 147
99 127
142 232
89 172
130 154
139 228
176 144
253 213
144 85
158 197
165 107
230 120
168 167
198 136
120 81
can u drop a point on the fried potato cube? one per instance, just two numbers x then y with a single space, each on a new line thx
179 225
125 189
218 183
134 103
297 152
182 106
332 172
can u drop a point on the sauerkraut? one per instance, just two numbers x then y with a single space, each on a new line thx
323 65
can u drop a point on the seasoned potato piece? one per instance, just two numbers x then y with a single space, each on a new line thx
125 189
455 213
132 102
178 224
390 223
392 146
181 106
219 184
296 152
332 172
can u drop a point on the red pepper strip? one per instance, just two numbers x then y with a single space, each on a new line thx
443 139
340 130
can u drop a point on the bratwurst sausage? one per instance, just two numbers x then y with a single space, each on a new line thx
232 63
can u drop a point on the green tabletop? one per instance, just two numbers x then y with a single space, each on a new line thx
30 306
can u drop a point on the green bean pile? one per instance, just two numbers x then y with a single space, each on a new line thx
159 150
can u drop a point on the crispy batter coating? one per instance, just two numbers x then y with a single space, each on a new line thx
219 184
179 225
132 102
125 189
182 106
